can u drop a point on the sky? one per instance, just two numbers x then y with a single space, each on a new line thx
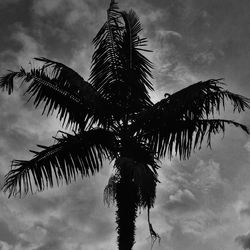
202 203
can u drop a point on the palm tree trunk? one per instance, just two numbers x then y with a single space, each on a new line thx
126 213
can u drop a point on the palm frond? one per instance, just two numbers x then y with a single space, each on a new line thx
137 68
146 181
68 78
109 193
7 80
201 100
175 119
105 60
119 71
59 88
72 155
183 136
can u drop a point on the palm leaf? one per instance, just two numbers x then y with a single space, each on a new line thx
146 181
97 108
105 60
7 80
72 155
170 125
59 88
109 193
69 78
181 137
201 100
119 71
137 68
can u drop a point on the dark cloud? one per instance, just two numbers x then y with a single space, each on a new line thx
243 241
5 2
80 23
245 210
10 18
53 244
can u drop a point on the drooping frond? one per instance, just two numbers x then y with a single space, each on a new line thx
7 81
109 194
72 155
153 234
59 88
181 137
144 177
180 122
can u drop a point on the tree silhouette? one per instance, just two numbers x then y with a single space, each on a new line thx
112 117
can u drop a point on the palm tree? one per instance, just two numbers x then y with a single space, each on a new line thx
112 117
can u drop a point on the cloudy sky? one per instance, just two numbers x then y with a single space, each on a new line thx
202 203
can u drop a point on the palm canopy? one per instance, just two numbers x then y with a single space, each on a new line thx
112 116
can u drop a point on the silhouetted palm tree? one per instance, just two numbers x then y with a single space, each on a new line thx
112 117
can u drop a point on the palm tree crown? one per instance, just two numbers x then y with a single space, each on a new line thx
112 117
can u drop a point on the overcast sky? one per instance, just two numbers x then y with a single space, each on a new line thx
202 203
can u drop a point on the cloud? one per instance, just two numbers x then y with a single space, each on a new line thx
204 58
55 234
22 128
28 48
243 209
178 239
182 201
195 196
195 184
47 6
6 2
247 146
74 12
39 205
6 234
170 73
64 27
11 227
80 55
5 246
243 241
65 218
